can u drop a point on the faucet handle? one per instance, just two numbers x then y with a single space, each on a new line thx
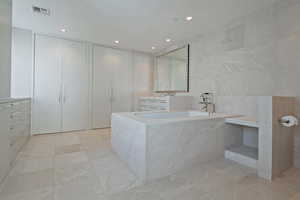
207 97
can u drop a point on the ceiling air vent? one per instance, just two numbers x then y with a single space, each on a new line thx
40 10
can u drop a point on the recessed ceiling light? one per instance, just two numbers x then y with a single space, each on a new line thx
153 48
189 18
168 40
63 30
117 41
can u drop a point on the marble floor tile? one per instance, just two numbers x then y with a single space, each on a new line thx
189 194
93 141
69 159
37 150
296 196
76 172
43 139
83 166
132 195
28 182
114 175
59 150
77 190
64 139
30 165
41 194
96 153
103 149
106 132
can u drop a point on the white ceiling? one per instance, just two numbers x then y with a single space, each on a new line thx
137 24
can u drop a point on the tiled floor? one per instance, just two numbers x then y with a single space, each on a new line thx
82 166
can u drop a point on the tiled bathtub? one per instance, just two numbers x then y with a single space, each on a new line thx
155 145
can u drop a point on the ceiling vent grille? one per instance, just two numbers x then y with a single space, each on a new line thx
40 10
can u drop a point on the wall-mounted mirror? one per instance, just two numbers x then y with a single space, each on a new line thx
172 71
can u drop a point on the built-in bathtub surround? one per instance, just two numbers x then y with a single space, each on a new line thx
159 144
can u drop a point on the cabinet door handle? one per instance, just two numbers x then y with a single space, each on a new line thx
59 98
112 94
60 94
64 98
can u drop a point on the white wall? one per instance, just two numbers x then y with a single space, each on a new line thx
22 68
265 62
5 46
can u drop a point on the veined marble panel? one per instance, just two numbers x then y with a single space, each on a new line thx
129 141
172 147
155 150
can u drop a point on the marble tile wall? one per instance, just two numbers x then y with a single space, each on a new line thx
266 63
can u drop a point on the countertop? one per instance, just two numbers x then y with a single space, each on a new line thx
11 100
134 116
243 121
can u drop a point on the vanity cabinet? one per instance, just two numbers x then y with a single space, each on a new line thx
19 126
15 126
5 150
167 103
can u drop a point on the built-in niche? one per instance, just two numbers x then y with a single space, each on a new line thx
245 152
266 141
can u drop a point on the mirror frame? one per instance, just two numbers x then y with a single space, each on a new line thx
187 74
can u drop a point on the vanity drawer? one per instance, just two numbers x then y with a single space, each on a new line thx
154 104
15 130
153 108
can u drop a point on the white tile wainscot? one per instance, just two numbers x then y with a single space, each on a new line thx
155 148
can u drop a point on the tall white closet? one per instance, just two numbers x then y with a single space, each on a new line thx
112 84
61 86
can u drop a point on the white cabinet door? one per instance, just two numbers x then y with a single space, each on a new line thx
102 90
122 81
112 89
61 94
47 86
4 140
75 87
